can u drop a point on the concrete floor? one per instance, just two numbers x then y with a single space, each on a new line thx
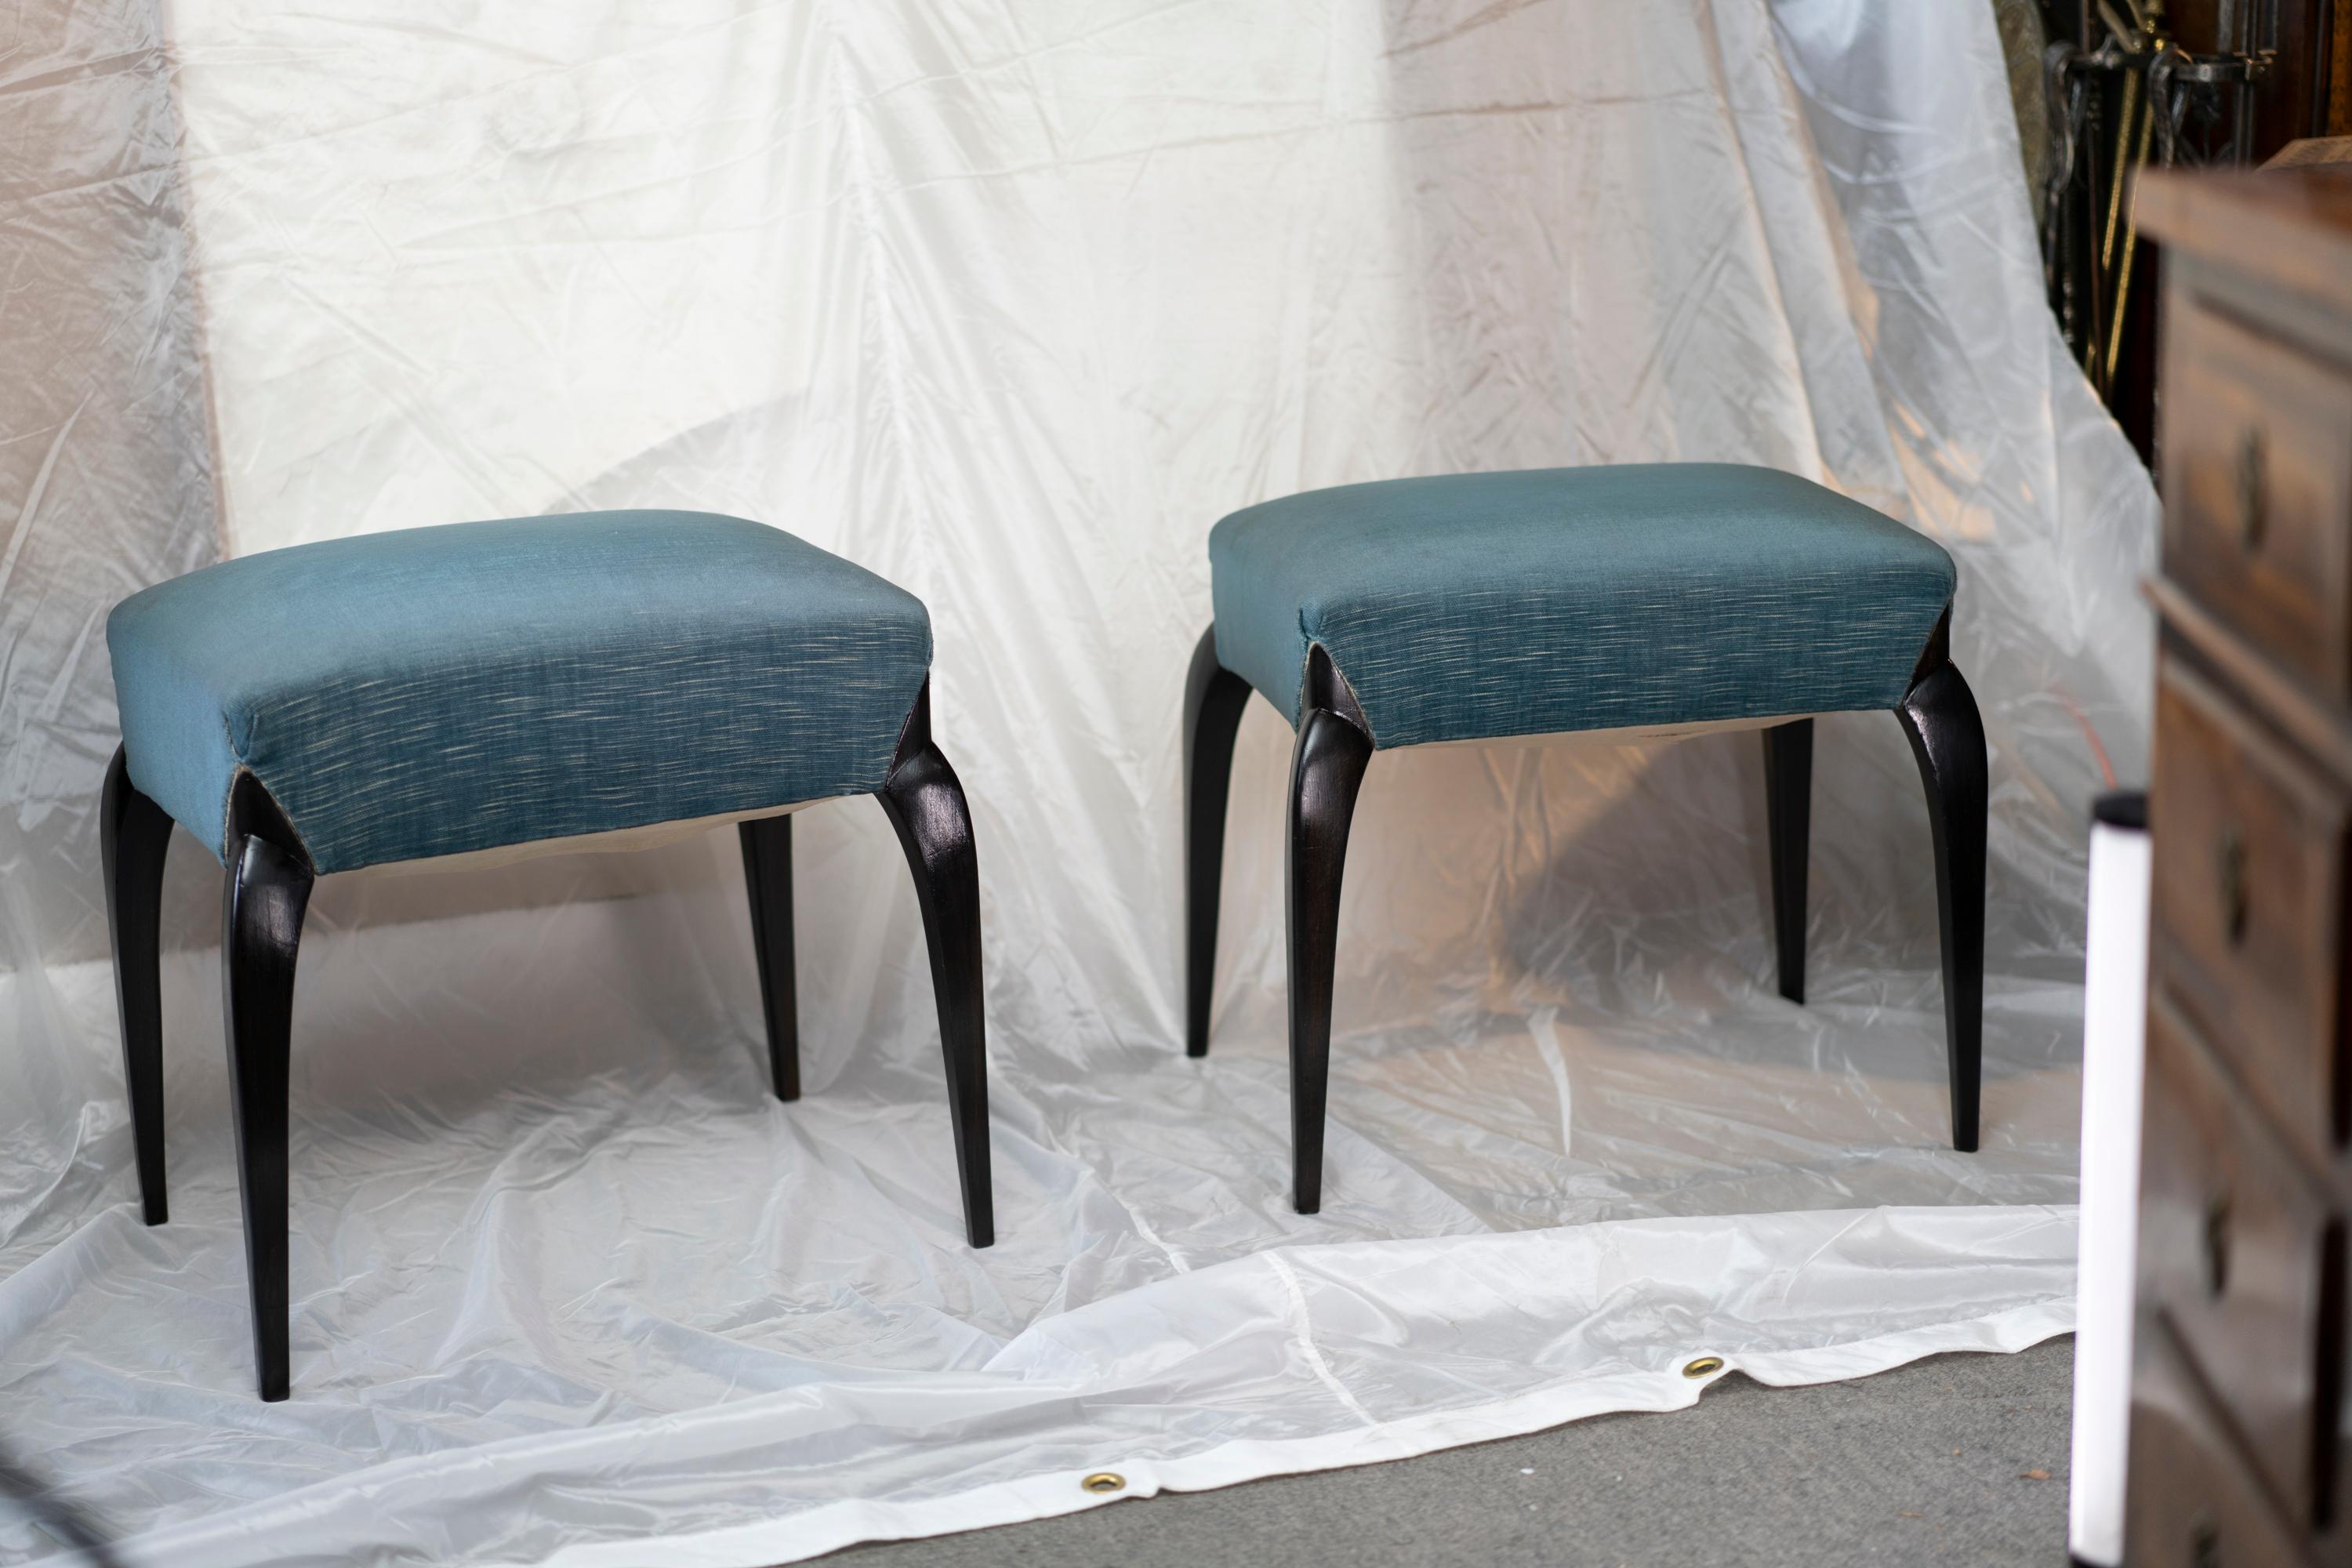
1959 1458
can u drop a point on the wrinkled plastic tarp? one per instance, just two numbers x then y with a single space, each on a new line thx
1010 304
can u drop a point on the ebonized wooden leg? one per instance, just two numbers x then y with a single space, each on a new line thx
768 874
1326 768
1214 700
1947 735
1789 812
133 837
261 927
925 804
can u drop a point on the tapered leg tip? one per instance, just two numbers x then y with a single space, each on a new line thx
1793 993
1196 1048
157 1213
1965 1143
981 1235
275 1393
1308 1204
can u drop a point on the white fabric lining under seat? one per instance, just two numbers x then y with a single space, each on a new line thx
652 835
617 841
1623 735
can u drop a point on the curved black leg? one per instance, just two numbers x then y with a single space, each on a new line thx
1326 768
134 835
768 874
1947 735
925 804
1789 814
1214 700
261 927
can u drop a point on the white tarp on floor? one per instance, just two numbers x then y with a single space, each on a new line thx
1011 303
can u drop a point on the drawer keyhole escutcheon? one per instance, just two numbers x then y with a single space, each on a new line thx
2231 856
2253 485
2217 1244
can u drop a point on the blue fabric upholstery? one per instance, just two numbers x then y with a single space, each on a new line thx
440 689
1481 605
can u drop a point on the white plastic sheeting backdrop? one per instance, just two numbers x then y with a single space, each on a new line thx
1010 304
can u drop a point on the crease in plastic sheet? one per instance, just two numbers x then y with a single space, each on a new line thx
1010 306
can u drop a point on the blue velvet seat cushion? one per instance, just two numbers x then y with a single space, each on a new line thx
1482 606
435 690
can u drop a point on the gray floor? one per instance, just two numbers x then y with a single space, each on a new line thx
1959 1458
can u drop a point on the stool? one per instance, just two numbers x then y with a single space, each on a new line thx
1632 599
471 691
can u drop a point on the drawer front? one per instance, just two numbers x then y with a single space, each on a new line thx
2233 1251
2258 489
2249 885
2192 1501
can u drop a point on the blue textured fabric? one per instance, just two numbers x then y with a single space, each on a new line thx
440 689
1480 605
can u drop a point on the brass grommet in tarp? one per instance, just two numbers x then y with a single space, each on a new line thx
1704 1366
1104 1481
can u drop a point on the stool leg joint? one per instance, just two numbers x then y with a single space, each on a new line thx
1327 770
1788 811
1939 717
265 895
925 804
134 835
768 883
1214 700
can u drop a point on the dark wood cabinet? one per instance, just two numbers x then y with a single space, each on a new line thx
2237 1452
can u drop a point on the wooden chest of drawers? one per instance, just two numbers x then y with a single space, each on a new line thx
2237 1450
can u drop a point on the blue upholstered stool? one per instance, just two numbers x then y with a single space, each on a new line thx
469 691
1633 599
